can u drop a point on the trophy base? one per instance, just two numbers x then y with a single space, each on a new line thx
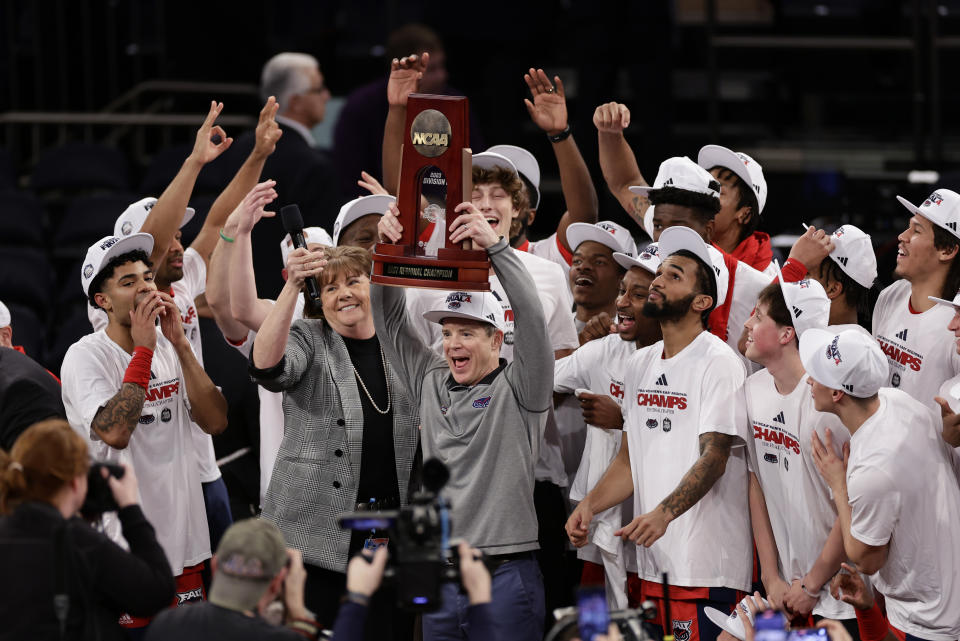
452 269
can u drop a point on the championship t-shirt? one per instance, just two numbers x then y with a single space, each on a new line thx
557 303
669 403
921 352
160 450
781 456
903 490
598 367
184 291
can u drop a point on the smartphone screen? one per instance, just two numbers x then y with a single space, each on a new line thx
808 634
592 614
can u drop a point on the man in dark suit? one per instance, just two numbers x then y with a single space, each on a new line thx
304 175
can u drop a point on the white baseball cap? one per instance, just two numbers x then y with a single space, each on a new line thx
648 258
478 306
4 315
605 232
648 221
100 253
733 622
955 303
850 361
526 165
745 167
942 208
673 239
489 160
354 209
682 173
317 235
806 301
133 217
853 253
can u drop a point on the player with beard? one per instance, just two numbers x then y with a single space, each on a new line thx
599 366
681 459
910 328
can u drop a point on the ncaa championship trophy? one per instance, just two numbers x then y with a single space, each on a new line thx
435 175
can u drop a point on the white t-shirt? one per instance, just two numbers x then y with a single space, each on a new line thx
160 450
550 249
598 366
557 304
904 491
184 291
781 456
271 410
669 403
921 351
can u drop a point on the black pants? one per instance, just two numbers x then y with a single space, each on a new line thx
552 556
325 589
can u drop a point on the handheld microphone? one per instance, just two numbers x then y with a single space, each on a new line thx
293 225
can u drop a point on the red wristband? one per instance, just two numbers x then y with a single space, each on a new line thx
793 270
138 371
873 625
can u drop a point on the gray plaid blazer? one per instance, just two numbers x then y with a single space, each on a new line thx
317 471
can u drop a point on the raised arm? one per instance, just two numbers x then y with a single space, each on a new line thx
267 134
208 407
167 214
619 165
218 284
115 421
549 112
405 75
702 475
245 306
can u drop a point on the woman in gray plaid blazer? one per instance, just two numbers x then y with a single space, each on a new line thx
338 390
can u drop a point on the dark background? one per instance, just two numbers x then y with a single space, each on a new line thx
838 100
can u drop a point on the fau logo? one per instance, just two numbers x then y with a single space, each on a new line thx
934 199
163 391
616 390
661 400
896 355
681 629
196 594
833 351
481 403
607 227
779 438
190 317
455 299
839 232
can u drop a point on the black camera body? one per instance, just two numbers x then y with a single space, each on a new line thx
419 537
99 497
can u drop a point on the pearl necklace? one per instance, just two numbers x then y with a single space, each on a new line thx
363 385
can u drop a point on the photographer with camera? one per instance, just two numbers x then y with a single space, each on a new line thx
63 579
365 573
252 568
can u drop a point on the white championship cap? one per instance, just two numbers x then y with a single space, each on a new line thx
489 160
682 173
745 167
133 217
478 306
526 164
317 235
4 315
106 248
648 221
853 253
942 208
733 623
605 232
850 361
673 239
955 303
648 259
354 209
806 301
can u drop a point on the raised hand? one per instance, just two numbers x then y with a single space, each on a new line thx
304 263
389 227
611 118
549 107
472 224
250 210
205 149
268 132
372 185
811 248
405 75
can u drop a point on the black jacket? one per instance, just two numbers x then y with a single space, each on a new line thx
102 580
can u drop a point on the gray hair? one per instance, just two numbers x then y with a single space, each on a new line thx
285 75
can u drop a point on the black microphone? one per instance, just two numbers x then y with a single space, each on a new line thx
293 224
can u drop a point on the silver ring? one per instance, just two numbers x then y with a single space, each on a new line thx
550 90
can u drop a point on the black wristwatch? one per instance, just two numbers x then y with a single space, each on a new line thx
560 137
